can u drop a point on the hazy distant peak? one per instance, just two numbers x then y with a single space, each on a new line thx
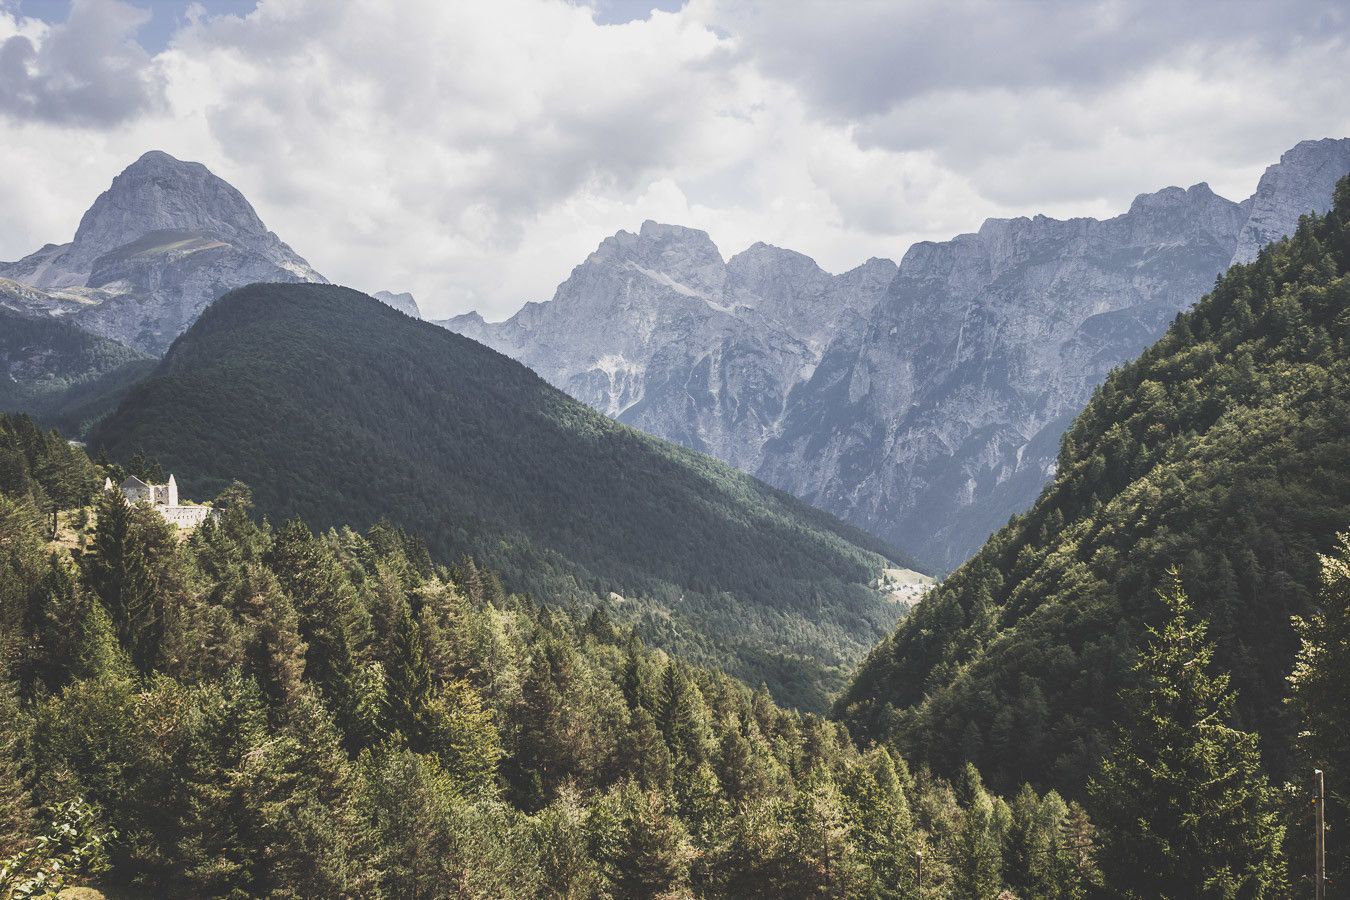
403 302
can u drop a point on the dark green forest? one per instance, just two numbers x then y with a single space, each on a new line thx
64 377
262 711
1122 694
340 410
1222 454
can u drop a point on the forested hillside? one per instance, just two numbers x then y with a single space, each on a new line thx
62 375
266 711
338 409
1224 451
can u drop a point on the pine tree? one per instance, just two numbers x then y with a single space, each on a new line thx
303 787
880 824
407 684
979 851
651 854
54 625
1321 688
683 718
1181 802
134 570
332 624
16 805
275 653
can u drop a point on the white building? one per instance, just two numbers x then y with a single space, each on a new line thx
164 498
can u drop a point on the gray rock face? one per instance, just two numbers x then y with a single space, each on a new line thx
1301 182
658 331
925 403
944 416
165 240
403 302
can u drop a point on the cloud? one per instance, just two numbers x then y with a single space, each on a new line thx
866 57
87 71
473 152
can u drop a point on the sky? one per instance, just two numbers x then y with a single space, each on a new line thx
474 151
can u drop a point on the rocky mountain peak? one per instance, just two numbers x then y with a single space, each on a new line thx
683 259
760 258
164 240
160 193
1300 183
403 302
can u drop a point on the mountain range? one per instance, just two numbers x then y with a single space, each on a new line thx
1218 461
923 402
440 435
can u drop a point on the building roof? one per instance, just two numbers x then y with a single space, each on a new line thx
133 481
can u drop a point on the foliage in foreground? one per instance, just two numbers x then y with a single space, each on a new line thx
259 711
1181 800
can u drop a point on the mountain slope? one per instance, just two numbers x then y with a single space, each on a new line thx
1223 451
923 404
59 374
337 408
153 250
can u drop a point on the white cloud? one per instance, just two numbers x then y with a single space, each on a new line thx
473 152
85 71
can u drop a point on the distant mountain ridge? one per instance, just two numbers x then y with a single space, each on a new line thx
161 243
658 331
59 374
453 440
922 402
403 302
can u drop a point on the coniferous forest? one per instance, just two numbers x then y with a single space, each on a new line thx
1121 695
259 710
674 450
342 411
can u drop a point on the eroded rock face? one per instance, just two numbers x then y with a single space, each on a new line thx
944 416
165 240
1300 183
924 403
657 330
403 302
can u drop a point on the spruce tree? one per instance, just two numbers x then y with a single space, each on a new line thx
133 569
651 855
332 623
1182 805
979 839
1321 689
408 683
16 806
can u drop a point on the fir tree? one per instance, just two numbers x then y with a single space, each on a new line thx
1321 687
1182 805
133 570
16 805
651 854
408 683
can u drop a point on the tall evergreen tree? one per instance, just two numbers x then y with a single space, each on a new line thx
1321 689
979 840
408 683
133 568
16 805
1183 807
651 854
332 623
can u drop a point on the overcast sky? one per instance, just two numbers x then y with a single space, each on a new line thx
473 151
